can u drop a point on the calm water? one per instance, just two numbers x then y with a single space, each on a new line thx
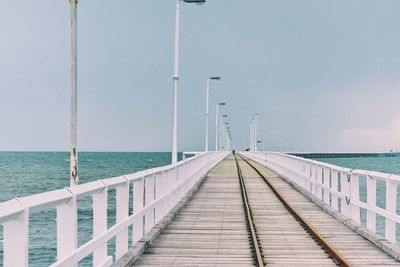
26 173
381 164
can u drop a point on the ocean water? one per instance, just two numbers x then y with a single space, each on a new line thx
27 173
380 164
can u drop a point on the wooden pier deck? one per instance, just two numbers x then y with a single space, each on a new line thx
211 229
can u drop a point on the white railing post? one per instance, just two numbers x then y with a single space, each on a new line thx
122 212
100 205
391 200
355 197
327 178
320 171
158 192
371 200
314 179
149 198
16 240
138 194
335 189
308 176
345 190
67 228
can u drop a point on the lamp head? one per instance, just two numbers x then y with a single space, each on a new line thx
199 2
222 104
224 116
217 78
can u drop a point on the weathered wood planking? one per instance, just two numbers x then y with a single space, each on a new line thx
210 230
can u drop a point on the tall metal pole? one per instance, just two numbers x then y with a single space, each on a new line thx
216 127
174 158
251 136
221 142
223 138
220 132
255 132
208 93
74 178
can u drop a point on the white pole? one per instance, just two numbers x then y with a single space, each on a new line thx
175 93
74 178
208 93
255 132
220 132
251 136
216 127
223 137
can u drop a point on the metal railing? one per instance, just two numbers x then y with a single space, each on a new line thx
155 192
353 193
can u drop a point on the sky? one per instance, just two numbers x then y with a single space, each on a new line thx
323 75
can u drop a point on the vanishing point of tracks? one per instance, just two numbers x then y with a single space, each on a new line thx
276 228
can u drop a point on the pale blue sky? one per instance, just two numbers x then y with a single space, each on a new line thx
324 75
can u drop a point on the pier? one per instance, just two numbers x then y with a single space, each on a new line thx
274 73
220 209
211 230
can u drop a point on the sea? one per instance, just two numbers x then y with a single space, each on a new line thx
27 173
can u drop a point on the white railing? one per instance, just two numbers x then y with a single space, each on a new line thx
349 192
155 193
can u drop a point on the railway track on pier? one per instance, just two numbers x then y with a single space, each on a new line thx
279 234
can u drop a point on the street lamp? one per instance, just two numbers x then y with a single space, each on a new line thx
227 134
224 130
251 147
73 159
216 123
255 132
175 79
217 78
221 132
200 2
229 140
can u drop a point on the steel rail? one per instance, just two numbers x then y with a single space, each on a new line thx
336 256
249 219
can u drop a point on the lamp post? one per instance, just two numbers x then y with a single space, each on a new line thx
255 132
224 135
73 174
221 132
227 137
216 123
174 158
217 78
251 135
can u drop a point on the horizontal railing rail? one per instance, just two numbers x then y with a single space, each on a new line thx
155 192
353 193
